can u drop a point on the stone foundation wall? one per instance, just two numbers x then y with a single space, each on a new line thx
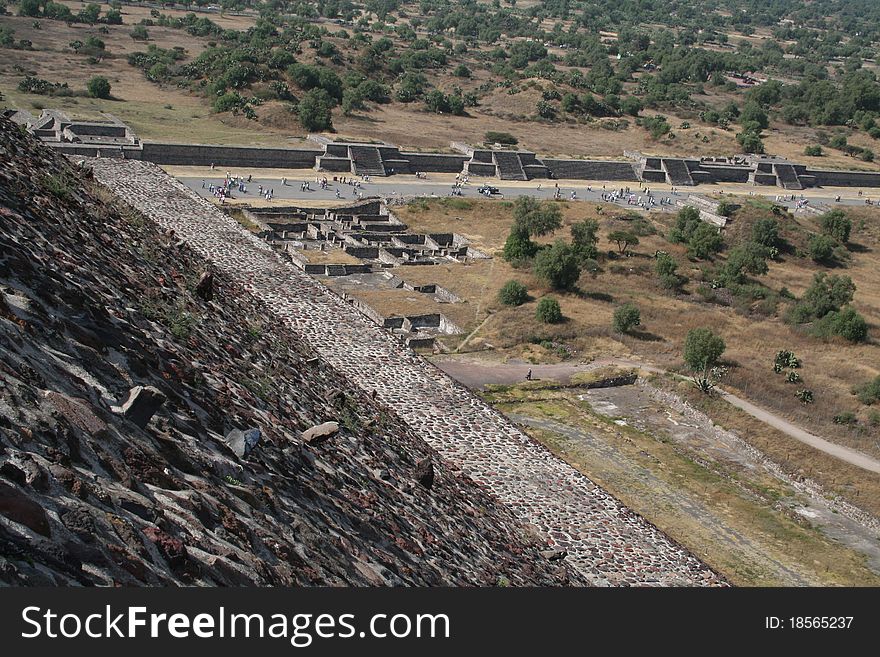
229 156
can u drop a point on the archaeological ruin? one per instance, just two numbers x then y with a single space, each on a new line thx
112 138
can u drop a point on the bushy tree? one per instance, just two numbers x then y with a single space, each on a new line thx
513 293
702 350
518 246
557 266
548 311
666 268
748 258
314 110
535 217
704 241
836 224
585 236
825 294
821 248
846 323
765 231
626 318
98 87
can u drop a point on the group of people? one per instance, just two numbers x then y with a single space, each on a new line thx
224 191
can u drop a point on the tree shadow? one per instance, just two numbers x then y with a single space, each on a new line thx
855 247
645 336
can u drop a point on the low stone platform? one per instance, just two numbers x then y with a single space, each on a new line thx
606 541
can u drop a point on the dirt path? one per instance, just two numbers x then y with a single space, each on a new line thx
475 374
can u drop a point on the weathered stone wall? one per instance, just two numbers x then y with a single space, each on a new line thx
435 162
607 542
229 156
828 178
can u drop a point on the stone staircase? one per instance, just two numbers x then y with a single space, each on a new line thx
786 176
509 166
677 172
367 160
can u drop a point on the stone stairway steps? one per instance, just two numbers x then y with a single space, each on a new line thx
367 160
677 172
509 166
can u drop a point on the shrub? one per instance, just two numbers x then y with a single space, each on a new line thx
505 138
548 311
868 393
557 266
846 323
814 151
139 33
804 396
748 258
846 418
726 208
513 293
626 317
825 294
98 87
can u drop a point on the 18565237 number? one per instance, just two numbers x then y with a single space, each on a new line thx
820 622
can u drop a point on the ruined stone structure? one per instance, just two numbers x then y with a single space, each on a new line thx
605 541
362 242
113 138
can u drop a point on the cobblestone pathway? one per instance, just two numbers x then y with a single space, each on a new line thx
609 543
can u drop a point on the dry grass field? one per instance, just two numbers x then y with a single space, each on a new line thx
753 332
167 113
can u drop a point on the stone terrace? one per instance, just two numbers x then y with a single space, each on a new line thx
606 541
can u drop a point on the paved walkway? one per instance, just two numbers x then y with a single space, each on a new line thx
408 186
605 540
476 375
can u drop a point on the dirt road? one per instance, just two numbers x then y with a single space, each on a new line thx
475 374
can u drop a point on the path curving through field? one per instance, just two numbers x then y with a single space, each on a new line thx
475 374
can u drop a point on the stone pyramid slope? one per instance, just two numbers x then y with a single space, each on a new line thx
174 486
605 541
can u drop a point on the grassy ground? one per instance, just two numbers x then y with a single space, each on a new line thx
726 516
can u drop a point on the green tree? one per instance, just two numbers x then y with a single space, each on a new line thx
624 239
513 293
535 217
98 87
846 323
666 268
29 8
765 231
518 246
748 258
626 318
314 110
825 294
139 33
90 13
585 236
557 266
814 151
821 248
548 311
704 241
836 224
702 350
752 113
